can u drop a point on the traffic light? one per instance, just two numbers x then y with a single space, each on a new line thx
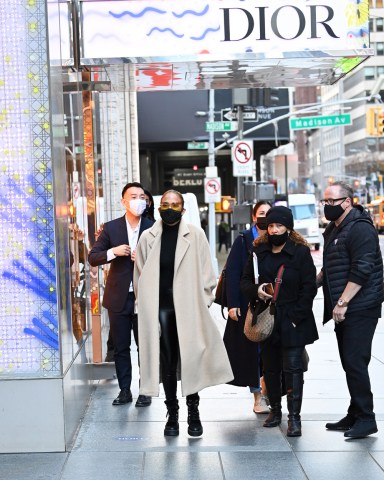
371 122
225 205
380 123
271 97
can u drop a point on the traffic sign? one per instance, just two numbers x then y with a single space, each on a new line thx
220 126
197 146
230 115
242 158
304 123
212 190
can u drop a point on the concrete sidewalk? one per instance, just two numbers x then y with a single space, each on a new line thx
128 443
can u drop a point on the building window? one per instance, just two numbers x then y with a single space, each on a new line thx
380 70
369 73
380 24
379 4
380 48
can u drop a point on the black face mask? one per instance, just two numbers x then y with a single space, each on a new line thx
333 212
278 240
261 223
170 216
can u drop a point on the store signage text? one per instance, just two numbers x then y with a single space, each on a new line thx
249 22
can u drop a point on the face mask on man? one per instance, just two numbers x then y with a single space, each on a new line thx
170 216
278 240
137 206
333 212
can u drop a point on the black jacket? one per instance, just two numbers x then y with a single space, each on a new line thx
298 289
352 253
120 273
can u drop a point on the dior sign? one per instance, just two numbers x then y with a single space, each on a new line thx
312 22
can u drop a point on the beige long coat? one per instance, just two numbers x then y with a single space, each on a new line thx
204 360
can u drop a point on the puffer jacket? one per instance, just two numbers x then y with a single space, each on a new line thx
352 253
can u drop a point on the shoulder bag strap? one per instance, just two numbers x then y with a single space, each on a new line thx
278 282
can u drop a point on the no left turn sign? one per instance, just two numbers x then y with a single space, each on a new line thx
242 158
212 190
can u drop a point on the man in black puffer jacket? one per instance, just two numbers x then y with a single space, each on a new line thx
352 279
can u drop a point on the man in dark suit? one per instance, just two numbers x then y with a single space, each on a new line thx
117 245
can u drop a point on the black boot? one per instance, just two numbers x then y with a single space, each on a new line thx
195 429
294 383
273 384
172 426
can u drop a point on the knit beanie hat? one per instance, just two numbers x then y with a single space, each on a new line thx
282 215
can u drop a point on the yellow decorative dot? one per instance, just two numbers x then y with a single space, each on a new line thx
30 75
32 26
2 82
30 190
18 95
31 3
46 126
35 90
42 109
49 186
33 219
44 220
51 289
16 176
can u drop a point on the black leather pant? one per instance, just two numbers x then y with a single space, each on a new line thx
278 360
169 354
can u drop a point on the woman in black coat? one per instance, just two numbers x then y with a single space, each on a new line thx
295 324
242 353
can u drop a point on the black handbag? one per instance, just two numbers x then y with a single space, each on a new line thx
221 292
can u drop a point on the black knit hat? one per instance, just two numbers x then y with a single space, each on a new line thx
282 215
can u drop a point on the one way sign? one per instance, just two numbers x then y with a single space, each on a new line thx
232 116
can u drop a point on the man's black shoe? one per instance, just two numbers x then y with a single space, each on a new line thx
361 429
143 401
125 396
342 425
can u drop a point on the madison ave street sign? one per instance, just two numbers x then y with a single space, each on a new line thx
305 123
220 126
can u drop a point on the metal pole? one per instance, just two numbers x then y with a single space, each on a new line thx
211 205
240 136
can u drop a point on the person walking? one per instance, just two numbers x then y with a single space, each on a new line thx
294 327
244 354
352 280
116 245
173 281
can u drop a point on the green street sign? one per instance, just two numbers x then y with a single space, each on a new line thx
220 126
197 145
305 123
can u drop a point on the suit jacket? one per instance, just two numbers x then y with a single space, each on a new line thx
121 270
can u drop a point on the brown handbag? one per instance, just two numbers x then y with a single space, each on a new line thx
260 319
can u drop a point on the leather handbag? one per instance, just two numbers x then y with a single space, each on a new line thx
221 292
260 319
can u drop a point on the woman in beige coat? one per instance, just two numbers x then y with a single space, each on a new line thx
173 281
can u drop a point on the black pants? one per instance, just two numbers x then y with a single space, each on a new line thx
169 354
354 338
277 360
121 325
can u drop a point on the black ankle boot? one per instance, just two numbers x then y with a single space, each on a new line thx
195 429
172 426
294 426
274 418
294 382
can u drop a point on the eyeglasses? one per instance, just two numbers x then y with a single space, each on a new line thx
174 206
331 201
